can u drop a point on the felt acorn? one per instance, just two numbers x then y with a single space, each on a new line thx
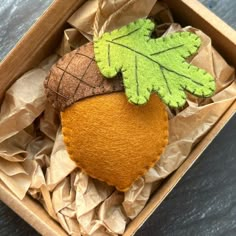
112 102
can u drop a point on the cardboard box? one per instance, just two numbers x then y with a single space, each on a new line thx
42 39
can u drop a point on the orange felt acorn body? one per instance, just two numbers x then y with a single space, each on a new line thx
113 140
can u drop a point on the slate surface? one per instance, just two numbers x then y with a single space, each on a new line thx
16 17
225 9
203 203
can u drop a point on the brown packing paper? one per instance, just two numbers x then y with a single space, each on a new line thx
59 158
99 16
33 157
96 17
72 39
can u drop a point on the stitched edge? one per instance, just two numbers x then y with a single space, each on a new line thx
67 132
170 103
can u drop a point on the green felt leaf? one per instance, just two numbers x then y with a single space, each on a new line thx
153 65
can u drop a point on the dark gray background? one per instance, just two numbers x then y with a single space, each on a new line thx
204 202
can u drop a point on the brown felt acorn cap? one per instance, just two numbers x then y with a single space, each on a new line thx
76 76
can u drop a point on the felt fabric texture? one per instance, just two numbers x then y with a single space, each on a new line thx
153 65
76 76
115 141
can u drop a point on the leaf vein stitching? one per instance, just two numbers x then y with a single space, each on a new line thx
125 35
121 45
166 50
108 54
136 74
164 76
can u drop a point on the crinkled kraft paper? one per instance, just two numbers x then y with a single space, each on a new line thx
33 158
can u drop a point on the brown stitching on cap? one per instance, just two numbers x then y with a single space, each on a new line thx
62 76
80 79
81 54
61 97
